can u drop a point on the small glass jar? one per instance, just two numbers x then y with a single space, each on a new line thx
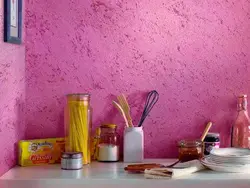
190 150
71 161
212 140
108 147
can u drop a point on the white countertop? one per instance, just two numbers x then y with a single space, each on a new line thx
111 175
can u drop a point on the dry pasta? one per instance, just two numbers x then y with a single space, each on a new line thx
78 129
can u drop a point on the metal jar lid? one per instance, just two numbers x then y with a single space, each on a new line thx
111 126
209 134
72 155
78 96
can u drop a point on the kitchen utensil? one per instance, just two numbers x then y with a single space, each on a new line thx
125 106
141 167
185 169
206 131
151 100
121 111
144 166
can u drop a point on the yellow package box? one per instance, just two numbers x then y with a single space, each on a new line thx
41 151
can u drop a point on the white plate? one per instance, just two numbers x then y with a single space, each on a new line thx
229 160
225 162
209 161
226 168
230 152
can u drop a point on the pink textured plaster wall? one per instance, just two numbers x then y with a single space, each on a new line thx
12 98
194 53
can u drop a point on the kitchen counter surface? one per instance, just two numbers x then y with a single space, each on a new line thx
112 175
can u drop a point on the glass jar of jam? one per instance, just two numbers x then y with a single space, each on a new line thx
212 140
190 150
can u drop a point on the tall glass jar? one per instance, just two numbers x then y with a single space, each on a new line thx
241 127
78 125
108 148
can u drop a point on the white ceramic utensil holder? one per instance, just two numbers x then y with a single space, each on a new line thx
133 149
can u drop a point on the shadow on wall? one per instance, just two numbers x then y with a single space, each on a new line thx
19 128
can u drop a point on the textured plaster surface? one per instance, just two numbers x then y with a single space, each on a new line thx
12 98
195 53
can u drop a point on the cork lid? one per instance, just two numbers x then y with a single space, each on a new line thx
111 126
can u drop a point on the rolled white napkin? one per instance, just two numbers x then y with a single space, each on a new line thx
183 169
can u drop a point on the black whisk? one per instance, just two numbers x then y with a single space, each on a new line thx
152 98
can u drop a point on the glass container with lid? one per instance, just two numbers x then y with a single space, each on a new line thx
108 147
78 124
212 140
71 161
241 127
190 150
